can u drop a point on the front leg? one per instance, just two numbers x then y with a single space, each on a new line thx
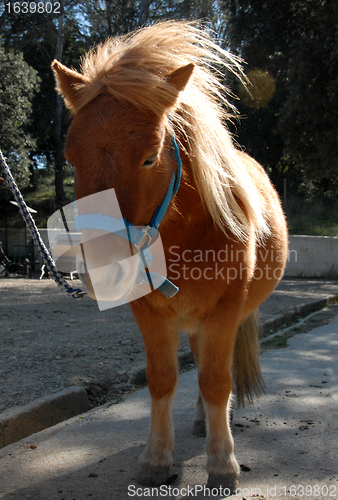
160 336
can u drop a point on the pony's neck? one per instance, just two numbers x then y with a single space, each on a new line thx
186 212
188 199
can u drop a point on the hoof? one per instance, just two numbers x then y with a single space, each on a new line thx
199 428
153 475
228 483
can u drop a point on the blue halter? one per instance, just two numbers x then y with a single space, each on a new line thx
134 235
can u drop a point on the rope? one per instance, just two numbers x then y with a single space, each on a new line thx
76 293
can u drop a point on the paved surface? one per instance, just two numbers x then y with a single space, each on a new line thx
288 439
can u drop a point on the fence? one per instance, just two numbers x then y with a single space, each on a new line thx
18 236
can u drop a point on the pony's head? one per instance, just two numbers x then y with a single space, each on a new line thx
117 143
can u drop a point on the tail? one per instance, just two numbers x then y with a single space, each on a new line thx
247 374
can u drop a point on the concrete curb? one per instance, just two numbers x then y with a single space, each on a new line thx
22 421
284 320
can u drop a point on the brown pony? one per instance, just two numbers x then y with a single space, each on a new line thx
224 233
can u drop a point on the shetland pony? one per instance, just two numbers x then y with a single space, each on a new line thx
224 233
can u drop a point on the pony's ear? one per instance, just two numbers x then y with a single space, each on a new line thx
180 77
66 81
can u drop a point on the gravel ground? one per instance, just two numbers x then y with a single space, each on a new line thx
50 341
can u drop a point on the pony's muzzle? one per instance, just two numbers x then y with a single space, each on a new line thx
116 261
107 268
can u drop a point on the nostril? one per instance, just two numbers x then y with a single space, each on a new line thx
108 282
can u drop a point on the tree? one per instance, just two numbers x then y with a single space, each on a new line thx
143 12
36 36
294 42
18 83
309 115
106 18
59 155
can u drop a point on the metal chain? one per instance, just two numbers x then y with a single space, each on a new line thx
76 293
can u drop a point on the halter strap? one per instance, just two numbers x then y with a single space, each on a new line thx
173 187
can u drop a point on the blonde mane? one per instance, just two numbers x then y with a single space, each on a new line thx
135 68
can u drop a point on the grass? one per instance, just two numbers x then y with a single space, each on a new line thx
43 198
277 342
314 217
116 401
317 216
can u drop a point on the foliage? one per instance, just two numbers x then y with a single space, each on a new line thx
35 35
315 216
309 116
107 18
290 47
295 42
18 82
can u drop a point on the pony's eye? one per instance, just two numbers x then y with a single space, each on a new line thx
150 161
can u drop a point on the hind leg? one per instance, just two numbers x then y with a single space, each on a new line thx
215 382
200 425
161 343
200 428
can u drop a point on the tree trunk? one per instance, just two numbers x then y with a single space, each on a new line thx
205 9
109 17
59 157
144 12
